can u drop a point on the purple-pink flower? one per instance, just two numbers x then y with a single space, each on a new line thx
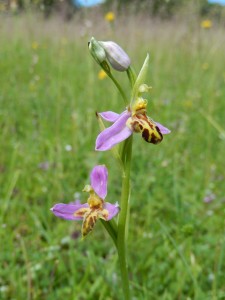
95 208
125 124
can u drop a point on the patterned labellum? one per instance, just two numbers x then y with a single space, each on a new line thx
147 127
89 222
90 219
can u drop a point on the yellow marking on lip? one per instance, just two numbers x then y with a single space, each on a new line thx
140 123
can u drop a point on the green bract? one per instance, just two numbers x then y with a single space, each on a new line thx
97 50
139 86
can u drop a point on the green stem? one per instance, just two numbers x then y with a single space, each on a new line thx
119 88
131 76
111 228
106 68
122 222
126 156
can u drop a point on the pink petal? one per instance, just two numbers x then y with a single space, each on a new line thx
113 209
109 116
99 178
162 129
66 211
114 134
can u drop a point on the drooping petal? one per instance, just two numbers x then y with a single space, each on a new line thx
114 134
68 211
99 179
162 129
109 116
89 222
113 209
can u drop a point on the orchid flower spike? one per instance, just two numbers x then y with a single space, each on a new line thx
95 208
133 119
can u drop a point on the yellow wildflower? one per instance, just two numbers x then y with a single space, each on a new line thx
110 16
205 66
102 75
34 45
188 104
206 24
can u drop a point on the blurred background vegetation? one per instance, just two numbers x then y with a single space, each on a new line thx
50 90
159 8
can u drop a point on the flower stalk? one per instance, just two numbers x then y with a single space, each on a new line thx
123 217
126 157
107 70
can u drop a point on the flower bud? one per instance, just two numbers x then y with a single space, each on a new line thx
97 50
116 56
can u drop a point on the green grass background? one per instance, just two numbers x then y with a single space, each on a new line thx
49 94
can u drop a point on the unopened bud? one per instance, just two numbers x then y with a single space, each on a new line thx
116 56
97 50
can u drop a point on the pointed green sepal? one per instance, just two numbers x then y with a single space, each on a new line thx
97 51
140 80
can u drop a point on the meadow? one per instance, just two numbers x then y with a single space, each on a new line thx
50 92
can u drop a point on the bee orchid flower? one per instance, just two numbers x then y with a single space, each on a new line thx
124 125
95 208
133 119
